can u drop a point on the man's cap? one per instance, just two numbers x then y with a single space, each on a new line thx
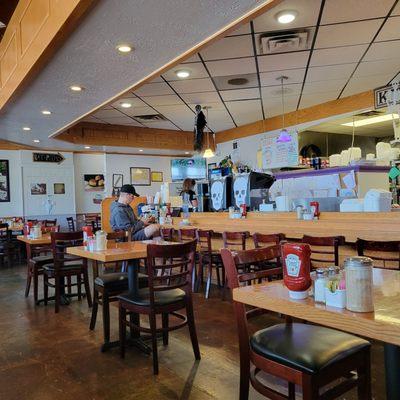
130 189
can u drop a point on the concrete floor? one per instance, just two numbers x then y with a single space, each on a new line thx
44 356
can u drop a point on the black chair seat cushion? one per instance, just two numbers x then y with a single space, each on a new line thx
161 298
41 260
67 266
119 281
307 348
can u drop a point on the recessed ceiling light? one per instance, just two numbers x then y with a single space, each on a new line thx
46 112
87 147
140 150
36 140
286 16
374 120
126 105
182 73
26 128
76 88
124 48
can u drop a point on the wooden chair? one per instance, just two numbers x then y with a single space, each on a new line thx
301 354
235 240
187 235
322 248
71 224
64 266
49 222
167 234
384 254
7 247
166 295
264 240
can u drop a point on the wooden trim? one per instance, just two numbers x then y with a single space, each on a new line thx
324 110
35 31
7 145
261 9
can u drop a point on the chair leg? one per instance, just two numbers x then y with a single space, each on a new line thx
69 287
192 328
122 330
199 279
364 372
291 391
310 387
165 324
153 327
45 289
35 285
244 377
95 307
194 274
57 294
106 317
28 279
87 287
209 276
79 286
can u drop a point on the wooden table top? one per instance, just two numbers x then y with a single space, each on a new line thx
383 324
45 239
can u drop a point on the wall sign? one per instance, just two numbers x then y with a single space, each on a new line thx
48 157
383 94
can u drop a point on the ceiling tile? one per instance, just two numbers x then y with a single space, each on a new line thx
146 110
383 67
194 58
383 50
246 111
201 98
196 70
276 92
272 78
156 80
279 62
161 125
240 94
229 47
246 81
308 11
347 34
360 84
324 86
169 99
391 30
91 118
242 30
107 113
232 67
330 72
273 106
218 120
123 120
193 85
308 100
396 10
337 55
354 10
154 89
132 100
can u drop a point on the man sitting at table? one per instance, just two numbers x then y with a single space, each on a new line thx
123 218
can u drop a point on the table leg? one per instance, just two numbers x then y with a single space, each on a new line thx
392 371
133 281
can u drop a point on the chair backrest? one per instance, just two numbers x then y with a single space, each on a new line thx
204 240
71 224
264 240
324 249
3 225
167 234
385 254
235 240
5 233
49 229
59 243
34 221
187 234
120 236
49 222
175 272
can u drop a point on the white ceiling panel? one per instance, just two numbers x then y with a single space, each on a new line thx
390 31
242 30
219 120
330 72
193 85
308 100
383 67
201 98
272 78
232 67
169 99
194 58
396 10
123 120
229 47
146 110
161 125
136 102
383 50
154 89
196 70
279 62
307 15
91 118
324 86
337 55
347 34
352 10
107 113
246 111
240 94
273 106
275 91
359 84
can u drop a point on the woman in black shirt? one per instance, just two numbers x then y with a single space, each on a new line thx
188 195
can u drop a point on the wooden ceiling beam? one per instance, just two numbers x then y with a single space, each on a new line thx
345 105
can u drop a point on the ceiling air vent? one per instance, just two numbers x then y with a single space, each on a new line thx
283 42
150 117
371 113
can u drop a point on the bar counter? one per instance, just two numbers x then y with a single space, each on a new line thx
370 226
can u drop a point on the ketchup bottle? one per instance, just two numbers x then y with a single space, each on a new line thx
296 269
87 232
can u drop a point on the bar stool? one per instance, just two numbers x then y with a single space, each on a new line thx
302 354
265 240
384 253
328 245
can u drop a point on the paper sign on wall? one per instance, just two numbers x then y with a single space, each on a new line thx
279 154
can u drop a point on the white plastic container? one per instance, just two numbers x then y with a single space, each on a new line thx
344 157
354 153
382 148
352 205
282 203
377 200
334 160
101 240
370 156
335 299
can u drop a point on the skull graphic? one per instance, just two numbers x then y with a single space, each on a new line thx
217 189
240 190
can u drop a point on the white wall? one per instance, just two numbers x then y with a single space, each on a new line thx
87 164
14 208
121 164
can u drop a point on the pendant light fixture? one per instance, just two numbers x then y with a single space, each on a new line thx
208 152
284 136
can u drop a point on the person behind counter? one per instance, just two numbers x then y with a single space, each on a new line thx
188 194
123 218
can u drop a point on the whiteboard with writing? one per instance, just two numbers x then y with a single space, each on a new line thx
278 155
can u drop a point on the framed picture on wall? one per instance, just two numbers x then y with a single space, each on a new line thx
59 188
157 176
38 189
94 182
4 181
140 176
117 180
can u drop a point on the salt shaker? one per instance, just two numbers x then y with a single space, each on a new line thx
319 286
359 285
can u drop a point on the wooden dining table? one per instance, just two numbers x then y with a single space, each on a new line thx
382 325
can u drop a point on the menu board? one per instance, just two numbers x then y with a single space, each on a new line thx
279 154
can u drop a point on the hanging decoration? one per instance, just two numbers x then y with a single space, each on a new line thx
284 136
199 125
